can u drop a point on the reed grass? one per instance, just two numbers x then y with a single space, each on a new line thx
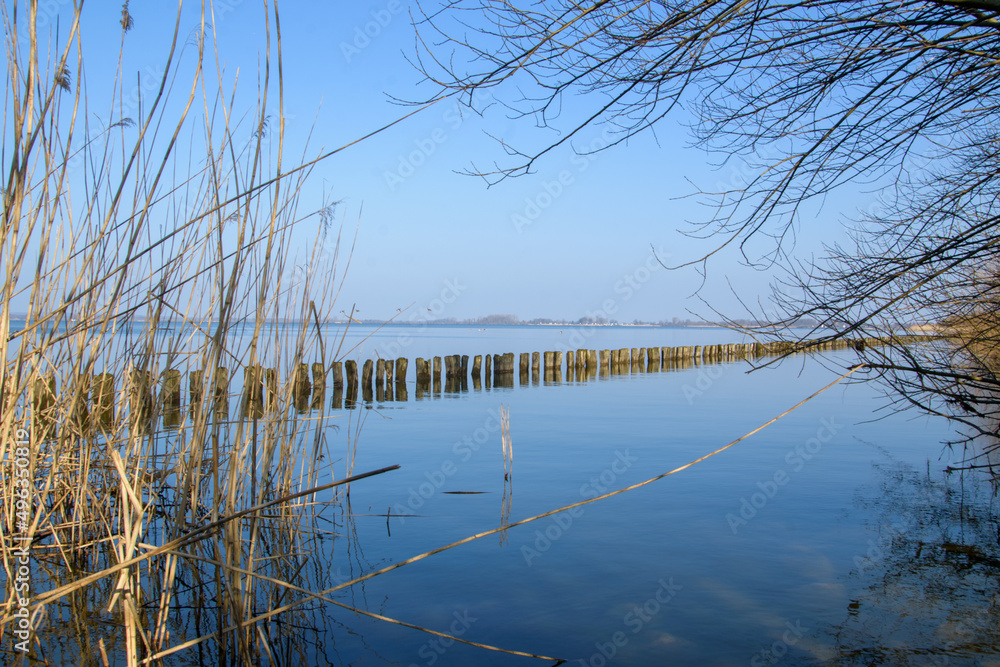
159 238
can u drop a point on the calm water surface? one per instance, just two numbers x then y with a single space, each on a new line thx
835 536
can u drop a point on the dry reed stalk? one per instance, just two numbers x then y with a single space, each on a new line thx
107 278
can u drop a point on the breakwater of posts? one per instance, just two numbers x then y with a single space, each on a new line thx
96 400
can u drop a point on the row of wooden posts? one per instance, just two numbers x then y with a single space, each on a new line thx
387 377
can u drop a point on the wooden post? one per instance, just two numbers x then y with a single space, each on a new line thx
351 394
488 371
477 362
436 373
366 381
220 394
103 398
79 414
400 378
319 386
140 396
652 359
449 367
380 380
337 368
301 380
270 379
319 376
605 362
380 373
171 392
253 390
570 365
535 365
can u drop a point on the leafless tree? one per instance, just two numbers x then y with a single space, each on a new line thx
812 95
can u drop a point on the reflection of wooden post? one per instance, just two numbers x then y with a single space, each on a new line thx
557 361
605 357
436 372
570 364
523 362
464 366
535 363
488 371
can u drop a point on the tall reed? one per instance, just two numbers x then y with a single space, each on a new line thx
161 241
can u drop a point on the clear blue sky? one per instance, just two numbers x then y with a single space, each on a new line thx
426 230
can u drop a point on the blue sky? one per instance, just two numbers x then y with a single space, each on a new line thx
564 242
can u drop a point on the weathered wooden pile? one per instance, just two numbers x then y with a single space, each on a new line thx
93 397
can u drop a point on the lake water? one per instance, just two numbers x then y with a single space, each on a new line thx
836 535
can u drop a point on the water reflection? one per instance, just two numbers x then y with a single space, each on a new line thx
930 581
